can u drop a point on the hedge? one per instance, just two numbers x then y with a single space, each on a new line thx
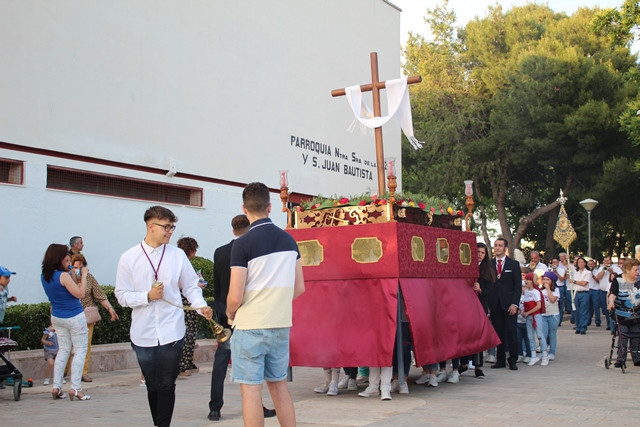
33 318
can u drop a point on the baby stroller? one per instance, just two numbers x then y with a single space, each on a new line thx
9 371
626 314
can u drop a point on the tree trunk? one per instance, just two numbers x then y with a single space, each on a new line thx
551 226
526 220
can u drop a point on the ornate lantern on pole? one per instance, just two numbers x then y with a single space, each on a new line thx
468 192
284 194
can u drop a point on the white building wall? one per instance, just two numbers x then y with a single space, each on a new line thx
219 86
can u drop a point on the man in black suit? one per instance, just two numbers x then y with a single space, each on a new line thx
221 277
504 302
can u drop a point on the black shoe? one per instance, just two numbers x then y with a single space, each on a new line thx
598 325
498 365
583 333
608 328
513 366
479 373
617 364
462 368
268 413
636 363
214 416
577 331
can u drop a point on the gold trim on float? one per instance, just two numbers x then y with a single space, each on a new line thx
465 254
417 248
442 250
366 250
311 253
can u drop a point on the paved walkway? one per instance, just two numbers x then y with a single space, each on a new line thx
575 389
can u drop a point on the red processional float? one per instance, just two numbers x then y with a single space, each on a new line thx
369 267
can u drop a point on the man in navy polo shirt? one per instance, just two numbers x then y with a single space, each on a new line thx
266 275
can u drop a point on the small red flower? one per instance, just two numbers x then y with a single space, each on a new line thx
362 202
344 201
421 205
460 214
432 209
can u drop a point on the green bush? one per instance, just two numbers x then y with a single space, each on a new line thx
206 267
33 318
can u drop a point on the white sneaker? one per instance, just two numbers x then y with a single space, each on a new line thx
395 386
46 381
362 380
369 391
333 389
552 356
343 383
442 376
526 359
352 384
404 388
454 377
322 388
433 382
424 378
520 358
533 361
491 359
64 381
385 392
545 361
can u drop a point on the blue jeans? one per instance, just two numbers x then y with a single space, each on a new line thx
550 331
524 346
561 302
582 311
603 305
594 305
160 366
72 330
537 330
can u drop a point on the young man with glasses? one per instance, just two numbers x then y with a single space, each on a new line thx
149 279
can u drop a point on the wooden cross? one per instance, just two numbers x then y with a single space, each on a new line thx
375 87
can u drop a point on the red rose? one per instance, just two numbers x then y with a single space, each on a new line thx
421 205
362 202
344 201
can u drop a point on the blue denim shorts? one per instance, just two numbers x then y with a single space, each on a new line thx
259 354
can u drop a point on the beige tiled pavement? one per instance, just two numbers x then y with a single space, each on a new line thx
574 390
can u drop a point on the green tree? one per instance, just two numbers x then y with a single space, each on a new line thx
526 102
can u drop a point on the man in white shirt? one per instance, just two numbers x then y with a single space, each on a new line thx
149 279
594 294
604 275
536 264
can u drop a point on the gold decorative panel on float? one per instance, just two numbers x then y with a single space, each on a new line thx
311 252
366 250
442 250
417 248
465 254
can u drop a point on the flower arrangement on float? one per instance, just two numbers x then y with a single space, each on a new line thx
425 203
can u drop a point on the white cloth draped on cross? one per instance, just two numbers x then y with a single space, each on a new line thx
398 104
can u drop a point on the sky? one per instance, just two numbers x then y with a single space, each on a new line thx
413 11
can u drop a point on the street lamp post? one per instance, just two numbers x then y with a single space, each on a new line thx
589 205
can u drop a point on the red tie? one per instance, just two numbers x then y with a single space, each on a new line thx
499 267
